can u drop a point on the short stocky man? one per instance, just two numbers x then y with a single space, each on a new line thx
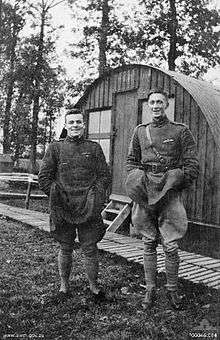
74 174
161 162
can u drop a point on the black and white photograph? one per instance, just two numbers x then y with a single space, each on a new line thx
109 169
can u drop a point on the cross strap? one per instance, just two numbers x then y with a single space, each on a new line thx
159 156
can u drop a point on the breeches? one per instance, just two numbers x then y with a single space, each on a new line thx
89 234
166 220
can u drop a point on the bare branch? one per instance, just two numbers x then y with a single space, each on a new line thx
51 5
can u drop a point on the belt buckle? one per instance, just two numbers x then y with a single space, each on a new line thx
154 168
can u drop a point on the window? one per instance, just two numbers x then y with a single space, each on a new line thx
99 129
146 115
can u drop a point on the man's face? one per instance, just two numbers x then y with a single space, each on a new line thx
157 103
74 125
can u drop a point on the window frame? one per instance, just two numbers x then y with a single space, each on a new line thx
100 135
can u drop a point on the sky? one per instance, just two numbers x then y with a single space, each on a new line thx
62 15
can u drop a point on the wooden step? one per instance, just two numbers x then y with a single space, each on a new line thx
120 198
116 212
107 222
112 211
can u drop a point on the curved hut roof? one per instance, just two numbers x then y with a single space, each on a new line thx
204 93
206 96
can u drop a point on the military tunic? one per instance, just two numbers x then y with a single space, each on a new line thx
167 163
74 175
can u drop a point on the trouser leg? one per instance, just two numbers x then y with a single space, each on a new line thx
64 266
172 226
144 220
172 268
150 264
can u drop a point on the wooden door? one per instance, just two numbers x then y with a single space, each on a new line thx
125 119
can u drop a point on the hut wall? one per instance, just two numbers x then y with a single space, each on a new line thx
202 199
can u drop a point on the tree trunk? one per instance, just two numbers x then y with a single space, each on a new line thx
7 113
0 23
103 37
172 29
36 100
19 136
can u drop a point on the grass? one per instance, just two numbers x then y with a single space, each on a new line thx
29 278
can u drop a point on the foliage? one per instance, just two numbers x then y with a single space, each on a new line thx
12 23
140 32
25 76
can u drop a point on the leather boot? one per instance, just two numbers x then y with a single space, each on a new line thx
64 266
175 299
149 299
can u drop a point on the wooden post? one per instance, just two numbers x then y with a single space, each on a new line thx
27 200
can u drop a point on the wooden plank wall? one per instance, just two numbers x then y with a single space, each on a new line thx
203 198
101 94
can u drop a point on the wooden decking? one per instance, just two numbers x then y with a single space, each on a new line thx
193 267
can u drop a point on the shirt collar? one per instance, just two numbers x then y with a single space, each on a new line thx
74 139
160 121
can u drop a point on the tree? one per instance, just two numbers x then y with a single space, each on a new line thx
172 34
94 26
103 35
184 29
17 23
44 8
51 97
172 26
28 82
20 127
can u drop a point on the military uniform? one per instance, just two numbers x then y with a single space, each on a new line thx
75 176
161 163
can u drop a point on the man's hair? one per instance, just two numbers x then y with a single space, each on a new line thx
157 90
73 111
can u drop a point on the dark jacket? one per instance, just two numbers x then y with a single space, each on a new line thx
75 176
176 146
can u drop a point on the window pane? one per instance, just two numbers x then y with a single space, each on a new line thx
105 124
94 122
170 109
105 144
146 115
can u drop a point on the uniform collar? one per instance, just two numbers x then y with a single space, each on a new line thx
74 139
160 121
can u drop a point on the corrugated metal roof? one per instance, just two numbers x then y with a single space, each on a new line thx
206 96
204 93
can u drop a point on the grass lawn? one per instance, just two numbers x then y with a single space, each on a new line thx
29 278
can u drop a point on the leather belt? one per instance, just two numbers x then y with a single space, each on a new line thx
155 168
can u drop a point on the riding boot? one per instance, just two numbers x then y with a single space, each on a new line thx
64 266
172 267
150 270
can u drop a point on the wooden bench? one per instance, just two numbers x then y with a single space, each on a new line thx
17 177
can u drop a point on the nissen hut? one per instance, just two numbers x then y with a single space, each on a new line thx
116 102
